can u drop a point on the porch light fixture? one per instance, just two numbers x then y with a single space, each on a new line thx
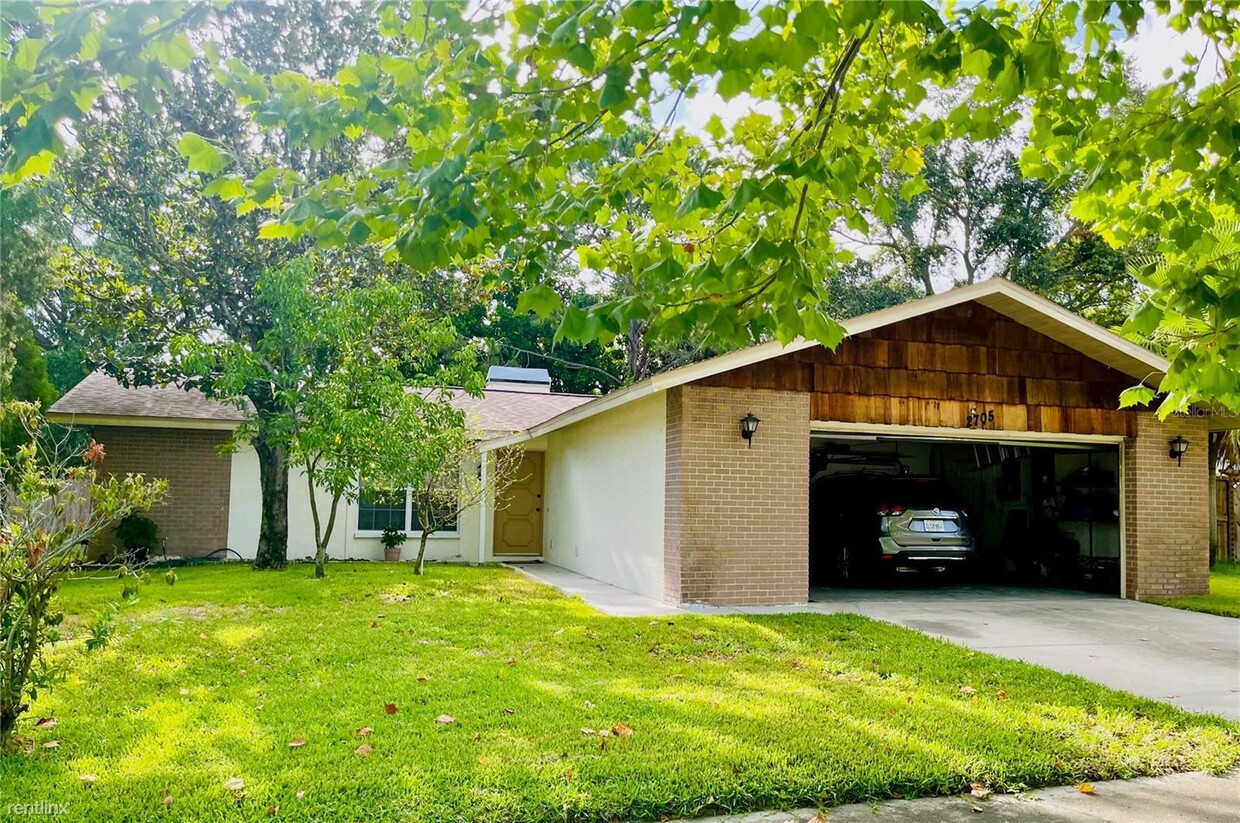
1178 447
749 425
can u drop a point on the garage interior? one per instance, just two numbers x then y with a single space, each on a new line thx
1042 515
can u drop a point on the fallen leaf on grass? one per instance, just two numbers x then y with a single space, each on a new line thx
445 719
1002 695
979 791
299 795
510 711
363 750
273 810
297 742
512 661
374 624
621 730
45 723
390 708
586 730
968 691
588 704
423 679
1086 788
87 779
234 784
364 730
184 692
168 801
52 744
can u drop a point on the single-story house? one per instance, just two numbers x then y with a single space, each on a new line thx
656 488
213 500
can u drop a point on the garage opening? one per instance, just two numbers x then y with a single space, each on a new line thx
909 511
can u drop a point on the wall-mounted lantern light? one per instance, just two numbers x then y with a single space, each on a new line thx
1178 447
749 425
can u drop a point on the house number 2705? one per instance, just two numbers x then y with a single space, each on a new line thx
980 419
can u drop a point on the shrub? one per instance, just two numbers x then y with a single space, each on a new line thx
138 534
51 505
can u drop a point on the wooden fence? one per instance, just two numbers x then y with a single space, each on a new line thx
1227 521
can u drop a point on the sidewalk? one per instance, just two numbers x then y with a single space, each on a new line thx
1177 798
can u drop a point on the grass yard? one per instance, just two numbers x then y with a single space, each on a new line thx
1224 596
213 679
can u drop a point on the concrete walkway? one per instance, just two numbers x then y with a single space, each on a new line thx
1189 659
1178 798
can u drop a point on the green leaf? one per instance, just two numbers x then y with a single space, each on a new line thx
615 87
580 55
275 231
226 188
202 155
541 299
702 197
725 16
175 52
913 187
732 83
1136 396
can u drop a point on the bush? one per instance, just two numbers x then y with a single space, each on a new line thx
51 505
139 535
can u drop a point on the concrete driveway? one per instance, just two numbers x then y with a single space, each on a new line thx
1189 659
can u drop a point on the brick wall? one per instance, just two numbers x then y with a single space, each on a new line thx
193 518
1167 509
737 518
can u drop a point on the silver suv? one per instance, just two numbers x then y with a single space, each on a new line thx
865 526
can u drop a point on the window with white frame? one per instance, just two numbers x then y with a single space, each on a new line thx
376 510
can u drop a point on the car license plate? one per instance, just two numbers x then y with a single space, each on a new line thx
933 525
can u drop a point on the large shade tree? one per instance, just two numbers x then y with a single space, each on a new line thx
156 256
496 104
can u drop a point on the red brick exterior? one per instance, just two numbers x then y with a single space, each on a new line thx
1166 509
193 519
737 518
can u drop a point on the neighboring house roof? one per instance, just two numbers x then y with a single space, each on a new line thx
1003 296
101 400
502 412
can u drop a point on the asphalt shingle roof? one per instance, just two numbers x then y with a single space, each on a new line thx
100 395
498 411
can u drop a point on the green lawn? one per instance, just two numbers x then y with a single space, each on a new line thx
1224 596
212 679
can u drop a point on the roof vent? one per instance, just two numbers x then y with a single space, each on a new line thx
510 378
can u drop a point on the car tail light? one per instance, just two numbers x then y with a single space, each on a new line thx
887 556
885 511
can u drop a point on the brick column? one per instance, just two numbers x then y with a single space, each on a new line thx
1166 509
737 518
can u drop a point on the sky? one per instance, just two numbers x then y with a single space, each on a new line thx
1155 48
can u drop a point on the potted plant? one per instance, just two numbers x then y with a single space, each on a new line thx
392 539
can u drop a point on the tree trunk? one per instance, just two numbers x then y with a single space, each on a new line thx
418 567
273 530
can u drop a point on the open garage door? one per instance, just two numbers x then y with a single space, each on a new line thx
896 509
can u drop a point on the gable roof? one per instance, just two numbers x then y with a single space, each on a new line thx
998 294
101 400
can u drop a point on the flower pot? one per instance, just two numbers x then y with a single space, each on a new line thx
391 554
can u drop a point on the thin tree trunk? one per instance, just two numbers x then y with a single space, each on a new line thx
272 550
418 567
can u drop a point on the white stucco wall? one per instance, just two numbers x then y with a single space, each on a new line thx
604 491
245 513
